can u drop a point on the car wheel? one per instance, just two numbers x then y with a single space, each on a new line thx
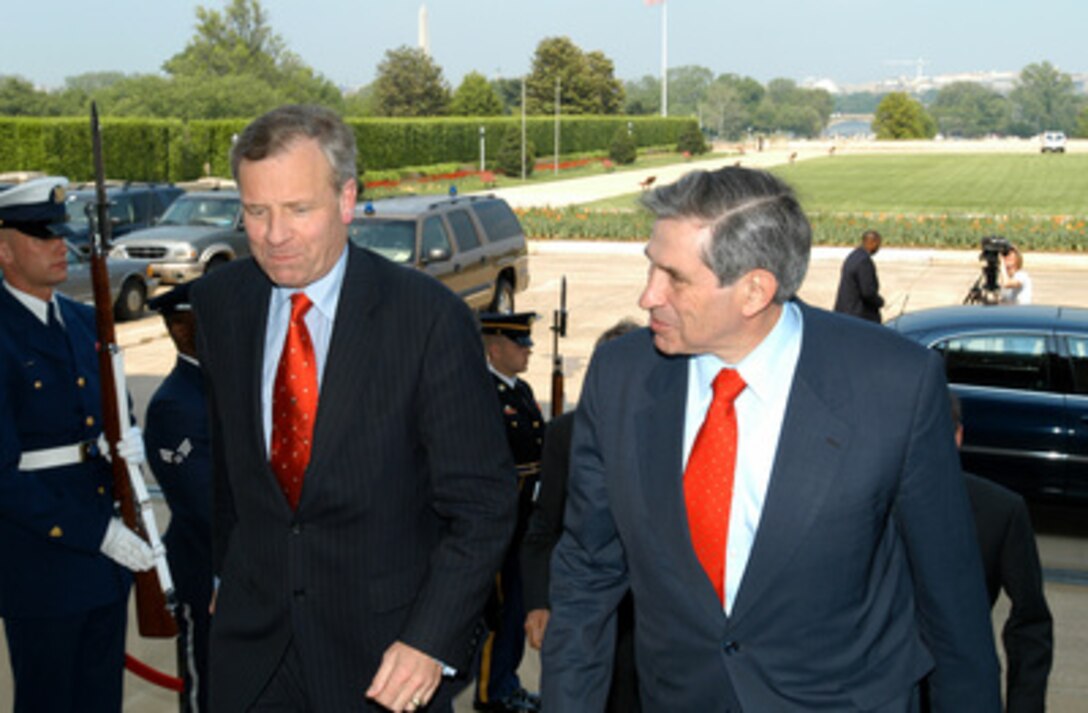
503 301
131 300
216 262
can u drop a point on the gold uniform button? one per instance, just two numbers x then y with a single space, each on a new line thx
37 384
536 424
56 531
101 490
90 421
81 382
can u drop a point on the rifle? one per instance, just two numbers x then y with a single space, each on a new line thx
559 329
154 599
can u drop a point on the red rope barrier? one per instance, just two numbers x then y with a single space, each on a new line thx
152 675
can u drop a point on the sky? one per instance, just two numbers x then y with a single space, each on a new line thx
848 41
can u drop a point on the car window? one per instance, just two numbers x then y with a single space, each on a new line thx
464 232
217 212
434 236
392 239
1078 352
1012 361
498 220
141 207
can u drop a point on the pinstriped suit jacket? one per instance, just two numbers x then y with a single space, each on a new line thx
408 501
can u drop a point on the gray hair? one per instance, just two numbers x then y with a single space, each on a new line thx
616 331
274 132
755 223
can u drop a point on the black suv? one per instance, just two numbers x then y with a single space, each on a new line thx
132 206
473 244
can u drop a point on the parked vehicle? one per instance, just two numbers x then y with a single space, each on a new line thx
132 206
1021 373
1053 142
473 244
198 233
130 284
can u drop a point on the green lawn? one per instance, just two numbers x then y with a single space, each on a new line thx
1040 202
1029 184
955 184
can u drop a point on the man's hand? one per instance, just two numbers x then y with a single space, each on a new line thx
406 680
125 547
536 622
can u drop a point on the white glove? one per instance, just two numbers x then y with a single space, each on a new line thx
125 547
131 446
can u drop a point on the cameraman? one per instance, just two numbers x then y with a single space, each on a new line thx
1015 282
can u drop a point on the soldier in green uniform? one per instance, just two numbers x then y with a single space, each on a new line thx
508 343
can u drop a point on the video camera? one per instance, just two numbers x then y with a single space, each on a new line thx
987 289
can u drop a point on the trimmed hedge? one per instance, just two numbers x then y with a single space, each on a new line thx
172 150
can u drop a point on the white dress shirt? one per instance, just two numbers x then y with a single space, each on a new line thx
325 295
768 371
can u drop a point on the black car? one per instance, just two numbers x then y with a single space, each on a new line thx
132 206
1021 373
473 244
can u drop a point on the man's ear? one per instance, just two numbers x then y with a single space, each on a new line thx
759 287
349 194
7 257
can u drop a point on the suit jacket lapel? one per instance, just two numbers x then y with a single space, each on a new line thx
815 434
659 426
352 346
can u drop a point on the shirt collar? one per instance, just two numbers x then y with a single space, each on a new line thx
37 306
324 293
765 367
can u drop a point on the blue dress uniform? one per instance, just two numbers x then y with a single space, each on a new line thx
498 687
179 452
63 602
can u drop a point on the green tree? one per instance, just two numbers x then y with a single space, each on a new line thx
624 147
475 97
586 82
410 83
361 102
18 97
787 107
643 96
900 117
1082 123
1044 100
688 87
724 111
970 110
508 159
692 141
508 90
240 42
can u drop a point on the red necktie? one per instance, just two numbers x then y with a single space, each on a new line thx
708 481
294 403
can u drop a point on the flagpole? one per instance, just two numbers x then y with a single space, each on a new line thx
664 58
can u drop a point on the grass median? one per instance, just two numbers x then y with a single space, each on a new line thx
951 200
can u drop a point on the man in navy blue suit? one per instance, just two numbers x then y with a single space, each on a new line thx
179 452
847 569
64 556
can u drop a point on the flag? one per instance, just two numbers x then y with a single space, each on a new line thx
654 2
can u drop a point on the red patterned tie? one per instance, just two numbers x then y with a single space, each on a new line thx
708 481
294 403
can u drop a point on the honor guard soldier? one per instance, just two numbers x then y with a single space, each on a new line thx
508 343
64 555
179 451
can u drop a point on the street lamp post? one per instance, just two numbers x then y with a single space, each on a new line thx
483 150
555 168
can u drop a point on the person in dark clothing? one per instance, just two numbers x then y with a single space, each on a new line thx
179 452
545 527
859 288
508 343
1010 560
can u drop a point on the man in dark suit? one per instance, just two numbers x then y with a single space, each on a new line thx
775 484
545 528
1010 561
859 288
64 556
179 452
364 494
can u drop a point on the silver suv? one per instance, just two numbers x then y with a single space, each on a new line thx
473 244
199 232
